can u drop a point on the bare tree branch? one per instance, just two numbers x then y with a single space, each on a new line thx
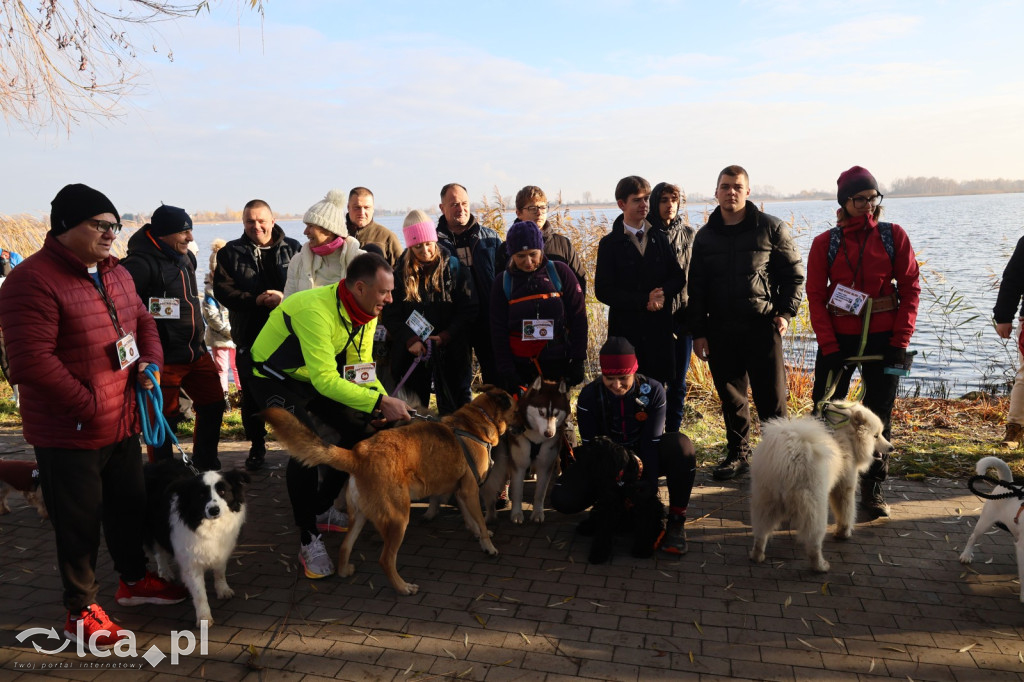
64 60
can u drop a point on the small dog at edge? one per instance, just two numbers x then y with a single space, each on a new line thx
1002 513
802 467
194 522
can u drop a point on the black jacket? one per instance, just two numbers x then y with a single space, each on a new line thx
743 275
475 248
623 280
159 274
244 271
452 311
680 236
1011 288
557 247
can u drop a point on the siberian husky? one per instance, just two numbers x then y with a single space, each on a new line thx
535 441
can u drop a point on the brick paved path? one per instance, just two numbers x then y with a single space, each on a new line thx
896 604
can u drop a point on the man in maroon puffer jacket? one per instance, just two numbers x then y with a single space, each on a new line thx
77 339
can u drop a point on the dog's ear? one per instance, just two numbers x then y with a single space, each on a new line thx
237 479
502 399
562 388
858 419
537 384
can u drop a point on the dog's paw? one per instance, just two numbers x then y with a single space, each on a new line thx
844 533
516 516
407 589
820 565
537 516
225 592
207 616
488 547
346 570
967 556
757 556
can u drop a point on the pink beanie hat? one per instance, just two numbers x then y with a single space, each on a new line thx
418 228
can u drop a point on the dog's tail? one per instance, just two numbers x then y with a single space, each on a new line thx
303 444
986 463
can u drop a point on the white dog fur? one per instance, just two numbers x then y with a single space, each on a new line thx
1003 511
802 467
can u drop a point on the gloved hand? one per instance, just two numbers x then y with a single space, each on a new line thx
574 373
895 357
832 362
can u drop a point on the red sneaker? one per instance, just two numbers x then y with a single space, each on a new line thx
152 589
93 622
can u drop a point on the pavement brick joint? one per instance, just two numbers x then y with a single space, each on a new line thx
897 603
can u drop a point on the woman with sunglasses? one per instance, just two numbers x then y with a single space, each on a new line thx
862 271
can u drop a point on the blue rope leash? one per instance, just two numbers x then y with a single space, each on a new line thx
159 432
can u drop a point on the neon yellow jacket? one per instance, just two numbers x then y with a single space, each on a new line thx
303 339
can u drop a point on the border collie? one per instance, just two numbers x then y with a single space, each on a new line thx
193 522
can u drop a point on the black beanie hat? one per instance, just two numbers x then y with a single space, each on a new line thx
168 220
76 203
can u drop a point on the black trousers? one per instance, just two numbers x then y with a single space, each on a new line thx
576 489
450 369
86 490
879 388
312 490
252 423
741 360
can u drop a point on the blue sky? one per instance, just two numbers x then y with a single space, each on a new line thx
571 96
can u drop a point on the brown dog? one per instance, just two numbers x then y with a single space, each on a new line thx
394 467
24 477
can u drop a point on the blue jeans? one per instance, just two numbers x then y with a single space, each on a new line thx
676 389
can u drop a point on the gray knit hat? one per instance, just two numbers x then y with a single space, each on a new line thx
329 213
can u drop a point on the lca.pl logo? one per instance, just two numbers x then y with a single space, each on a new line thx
182 643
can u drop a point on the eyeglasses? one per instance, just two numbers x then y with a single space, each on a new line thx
104 226
862 202
536 210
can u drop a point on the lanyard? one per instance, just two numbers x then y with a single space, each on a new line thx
351 335
860 257
96 282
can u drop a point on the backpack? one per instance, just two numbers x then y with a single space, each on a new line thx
552 275
835 236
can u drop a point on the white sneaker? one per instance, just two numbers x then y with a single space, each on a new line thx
314 559
332 521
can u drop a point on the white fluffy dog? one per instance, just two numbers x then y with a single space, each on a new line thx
1003 513
802 466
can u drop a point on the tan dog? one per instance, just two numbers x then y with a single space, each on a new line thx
394 467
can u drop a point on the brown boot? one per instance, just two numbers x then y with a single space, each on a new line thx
1012 438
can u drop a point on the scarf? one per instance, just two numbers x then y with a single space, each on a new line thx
328 248
358 316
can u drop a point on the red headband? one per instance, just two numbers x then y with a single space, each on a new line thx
618 365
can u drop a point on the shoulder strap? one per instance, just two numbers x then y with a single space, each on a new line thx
556 281
835 236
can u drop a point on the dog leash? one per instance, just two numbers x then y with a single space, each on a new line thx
1015 489
415 362
160 431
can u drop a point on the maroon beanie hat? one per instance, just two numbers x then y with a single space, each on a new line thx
523 236
618 357
857 179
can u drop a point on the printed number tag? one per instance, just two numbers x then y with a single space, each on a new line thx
165 308
538 330
362 373
850 300
419 325
127 351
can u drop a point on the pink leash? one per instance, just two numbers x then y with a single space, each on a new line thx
412 367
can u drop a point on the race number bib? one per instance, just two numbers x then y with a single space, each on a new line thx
363 373
127 351
419 325
850 300
165 308
538 330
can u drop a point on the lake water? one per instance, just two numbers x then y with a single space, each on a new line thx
963 243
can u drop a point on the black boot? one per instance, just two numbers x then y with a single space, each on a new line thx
733 466
872 501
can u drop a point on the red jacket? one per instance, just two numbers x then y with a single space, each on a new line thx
60 344
874 277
